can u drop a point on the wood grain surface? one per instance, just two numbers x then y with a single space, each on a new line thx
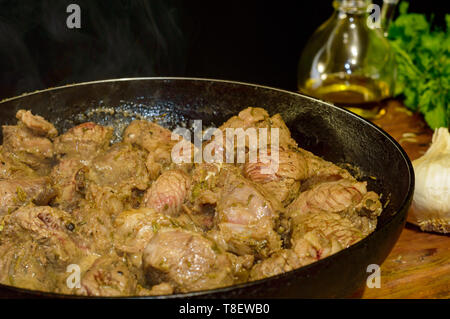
419 264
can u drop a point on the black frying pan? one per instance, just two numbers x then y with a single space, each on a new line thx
331 132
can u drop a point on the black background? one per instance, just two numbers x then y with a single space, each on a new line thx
250 41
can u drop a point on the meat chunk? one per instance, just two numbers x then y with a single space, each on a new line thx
163 288
84 141
259 118
133 229
15 193
108 276
37 124
21 266
291 164
148 135
248 137
284 181
10 169
107 199
346 197
320 170
27 145
113 178
188 261
331 225
155 139
67 184
44 223
246 118
364 214
44 241
121 167
208 180
246 218
168 192
285 139
333 196
96 227
314 237
20 144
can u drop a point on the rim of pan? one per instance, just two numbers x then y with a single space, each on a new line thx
405 202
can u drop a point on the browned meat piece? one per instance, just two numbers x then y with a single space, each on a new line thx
285 138
168 192
285 190
335 196
364 215
246 118
207 182
243 138
10 169
203 218
37 124
246 218
157 290
44 241
320 170
26 146
154 139
113 177
284 183
95 226
282 261
121 167
66 183
106 199
346 197
21 266
108 276
7 252
315 236
291 164
83 141
15 193
332 225
259 118
208 179
46 225
156 161
188 261
369 205
148 135
133 229
20 144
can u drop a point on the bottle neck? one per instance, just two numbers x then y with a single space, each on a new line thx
351 6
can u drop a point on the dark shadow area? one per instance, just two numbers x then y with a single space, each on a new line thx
250 41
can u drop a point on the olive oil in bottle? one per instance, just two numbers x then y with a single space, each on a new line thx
359 94
348 61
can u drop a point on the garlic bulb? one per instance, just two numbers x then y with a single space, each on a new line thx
431 202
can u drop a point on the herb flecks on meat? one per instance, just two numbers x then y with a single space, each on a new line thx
134 223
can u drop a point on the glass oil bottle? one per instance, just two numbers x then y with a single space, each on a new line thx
348 61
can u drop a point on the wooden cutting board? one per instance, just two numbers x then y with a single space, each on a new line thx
419 264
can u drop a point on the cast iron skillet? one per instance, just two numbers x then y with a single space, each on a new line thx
331 132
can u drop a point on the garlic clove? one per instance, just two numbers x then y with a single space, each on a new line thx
430 209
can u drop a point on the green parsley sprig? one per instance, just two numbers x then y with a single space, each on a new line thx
422 53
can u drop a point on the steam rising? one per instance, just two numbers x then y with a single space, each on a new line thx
116 39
